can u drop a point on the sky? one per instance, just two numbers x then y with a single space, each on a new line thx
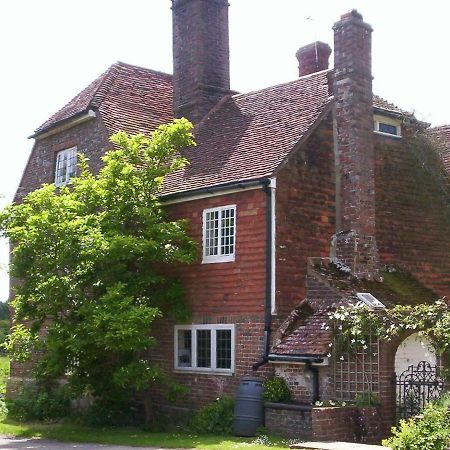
51 49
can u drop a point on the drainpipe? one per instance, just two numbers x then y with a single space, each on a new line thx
315 381
268 187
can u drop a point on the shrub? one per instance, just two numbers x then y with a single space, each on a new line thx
40 404
432 432
367 399
276 390
216 418
113 410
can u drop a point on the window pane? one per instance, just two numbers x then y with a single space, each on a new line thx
184 356
223 349
227 228
212 233
71 164
203 348
387 128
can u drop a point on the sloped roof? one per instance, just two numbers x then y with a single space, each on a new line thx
311 337
129 98
381 103
248 135
309 334
442 137
245 137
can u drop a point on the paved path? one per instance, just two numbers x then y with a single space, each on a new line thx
12 443
335 446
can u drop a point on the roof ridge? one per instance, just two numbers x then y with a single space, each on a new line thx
103 88
274 86
135 66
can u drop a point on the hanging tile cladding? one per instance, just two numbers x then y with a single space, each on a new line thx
305 214
413 223
233 287
441 135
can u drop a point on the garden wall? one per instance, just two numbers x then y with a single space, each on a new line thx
351 424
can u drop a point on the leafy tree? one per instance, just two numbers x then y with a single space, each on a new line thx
91 258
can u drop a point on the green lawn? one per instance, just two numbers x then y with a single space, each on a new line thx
135 437
126 436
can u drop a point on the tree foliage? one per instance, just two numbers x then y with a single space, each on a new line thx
91 258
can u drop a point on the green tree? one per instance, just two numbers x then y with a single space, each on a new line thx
91 258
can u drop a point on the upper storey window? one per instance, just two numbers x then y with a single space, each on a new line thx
219 234
66 165
387 126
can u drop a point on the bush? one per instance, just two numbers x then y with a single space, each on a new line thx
432 432
113 411
276 390
216 418
40 404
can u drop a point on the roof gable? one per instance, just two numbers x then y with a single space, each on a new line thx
129 98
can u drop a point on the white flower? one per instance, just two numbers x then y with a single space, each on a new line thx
341 358
329 355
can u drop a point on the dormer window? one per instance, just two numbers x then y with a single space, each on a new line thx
66 165
387 126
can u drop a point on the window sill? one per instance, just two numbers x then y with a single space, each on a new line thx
395 136
218 259
203 372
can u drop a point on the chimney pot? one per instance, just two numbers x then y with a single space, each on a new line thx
313 58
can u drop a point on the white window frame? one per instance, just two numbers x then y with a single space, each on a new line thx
213 328
219 257
377 120
69 152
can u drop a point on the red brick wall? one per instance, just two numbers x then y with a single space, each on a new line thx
305 214
347 424
91 139
201 72
230 292
413 220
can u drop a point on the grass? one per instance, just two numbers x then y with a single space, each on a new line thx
68 432
136 437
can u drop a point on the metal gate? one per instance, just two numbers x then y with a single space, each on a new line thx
416 386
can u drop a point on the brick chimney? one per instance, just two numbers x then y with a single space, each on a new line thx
355 243
313 58
201 67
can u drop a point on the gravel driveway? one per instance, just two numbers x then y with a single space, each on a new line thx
10 443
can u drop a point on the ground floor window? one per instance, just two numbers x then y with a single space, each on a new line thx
204 347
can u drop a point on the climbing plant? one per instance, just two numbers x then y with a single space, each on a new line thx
354 325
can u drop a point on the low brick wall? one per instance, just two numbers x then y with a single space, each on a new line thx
351 424
290 421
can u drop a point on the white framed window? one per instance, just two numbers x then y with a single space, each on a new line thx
387 126
66 166
219 234
204 348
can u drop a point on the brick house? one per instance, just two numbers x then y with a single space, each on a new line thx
286 184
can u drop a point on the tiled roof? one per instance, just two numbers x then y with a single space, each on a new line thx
309 334
442 137
310 338
129 98
381 103
248 135
245 137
